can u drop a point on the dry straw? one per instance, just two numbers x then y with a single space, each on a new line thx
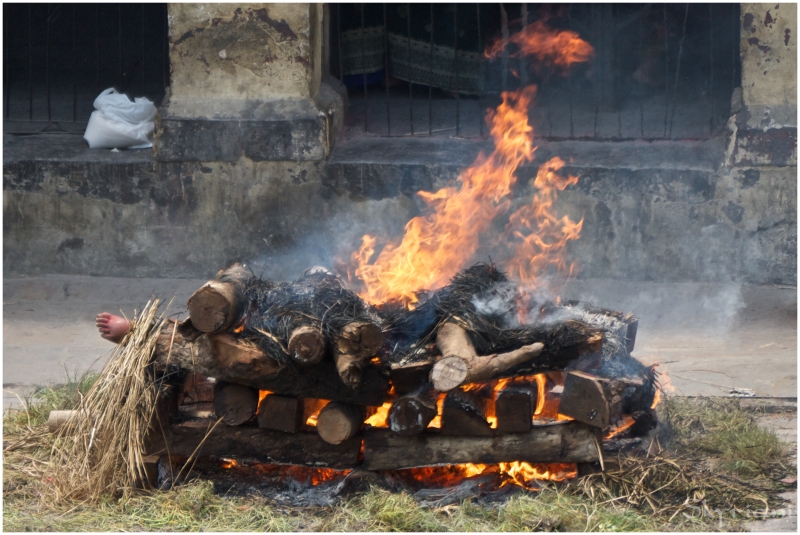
100 450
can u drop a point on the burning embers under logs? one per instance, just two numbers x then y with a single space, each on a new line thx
306 373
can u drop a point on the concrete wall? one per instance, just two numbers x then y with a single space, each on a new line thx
243 170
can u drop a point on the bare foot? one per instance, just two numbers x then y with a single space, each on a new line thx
112 327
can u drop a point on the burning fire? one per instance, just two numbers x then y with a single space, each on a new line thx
435 246
515 473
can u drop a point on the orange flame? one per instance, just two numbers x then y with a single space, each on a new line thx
543 236
560 48
516 473
435 246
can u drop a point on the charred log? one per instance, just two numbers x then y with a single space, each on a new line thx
254 444
464 415
235 404
514 408
410 414
571 442
281 413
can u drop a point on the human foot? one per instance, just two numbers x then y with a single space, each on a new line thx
112 327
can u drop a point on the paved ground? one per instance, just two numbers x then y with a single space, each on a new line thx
709 338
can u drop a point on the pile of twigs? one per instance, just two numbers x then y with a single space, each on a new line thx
100 449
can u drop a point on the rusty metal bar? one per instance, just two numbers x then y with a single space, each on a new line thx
455 62
678 69
339 39
119 42
363 69
47 65
641 85
74 67
141 67
408 59
97 47
430 84
386 68
711 98
666 70
480 49
569 80
30 64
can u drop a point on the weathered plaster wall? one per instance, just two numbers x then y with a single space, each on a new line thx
249 52
769 63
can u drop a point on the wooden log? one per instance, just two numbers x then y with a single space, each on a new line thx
252 444
56 419
460 363
219 304
464 415
585 400
307 345
362 339
180 347
601 401
235 404
349 368
281 413
357 343
570 442
338 422
197 388
514 408
410 376
241 360
410 414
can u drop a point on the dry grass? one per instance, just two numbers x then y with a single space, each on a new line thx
669 492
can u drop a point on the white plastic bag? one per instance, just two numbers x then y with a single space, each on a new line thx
119 123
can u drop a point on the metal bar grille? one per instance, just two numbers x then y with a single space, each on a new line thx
655 74
58 57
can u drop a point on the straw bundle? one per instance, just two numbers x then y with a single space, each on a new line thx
100 449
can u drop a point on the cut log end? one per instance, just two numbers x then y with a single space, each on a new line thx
350 369
213 308
57 419
306 345
235 404
339 421
411 414
449 373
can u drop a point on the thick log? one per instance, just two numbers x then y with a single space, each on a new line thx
460 363
349 367
464 415
338 422
362 339
407 378
56 419
571 442
280 413
307 345
180 346
251 444
357 343
410 414
235 404
584 399
219 304
197 388
514 409
241 360
601 401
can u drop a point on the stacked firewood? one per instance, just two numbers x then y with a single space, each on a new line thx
277 352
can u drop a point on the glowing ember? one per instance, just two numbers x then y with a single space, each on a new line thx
435 246
379 418
311 408
515 473
621 426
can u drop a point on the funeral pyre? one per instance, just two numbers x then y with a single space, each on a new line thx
408 361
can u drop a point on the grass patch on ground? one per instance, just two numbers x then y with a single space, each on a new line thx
719 429
634 494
